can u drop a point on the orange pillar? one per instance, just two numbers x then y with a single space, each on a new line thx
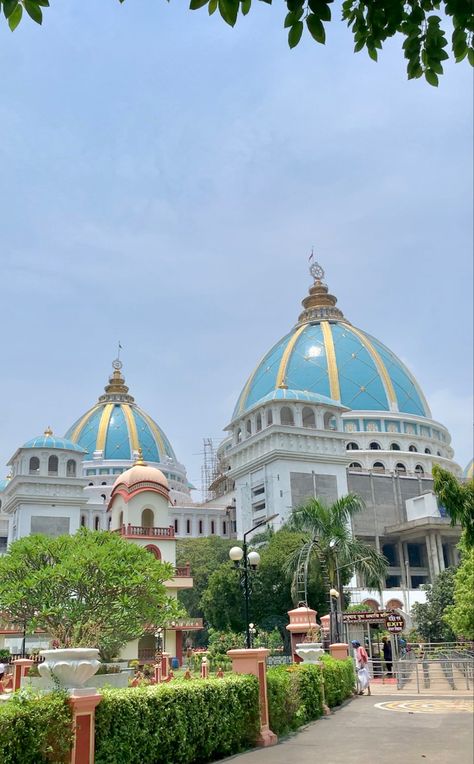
20 670
165 666
339 650
83 704
254 662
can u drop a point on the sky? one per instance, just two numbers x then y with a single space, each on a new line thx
163 179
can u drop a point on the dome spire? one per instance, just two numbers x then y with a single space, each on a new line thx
319 304
116 390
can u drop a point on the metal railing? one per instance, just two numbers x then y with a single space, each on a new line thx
435 674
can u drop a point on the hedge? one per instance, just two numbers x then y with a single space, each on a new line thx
179 723
296 693
35 729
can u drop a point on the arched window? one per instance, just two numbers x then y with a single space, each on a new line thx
419 469
286 416
103 497
355 466
378 466
224 528
352 446
148 518
176 526
394 447
394 605
269 417
154 551
371 604
53 464
104 482
239 435
309 420
427 451
400 468
83 521
97 524
213 527
121 519
34 465
188 526
71 468
248 427
412 448
258 422
200 527
91 484
109 522
330 421
438 453
374 446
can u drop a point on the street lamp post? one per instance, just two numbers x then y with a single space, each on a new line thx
334 621
159 642
249 561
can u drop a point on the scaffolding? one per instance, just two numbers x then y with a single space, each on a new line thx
209 469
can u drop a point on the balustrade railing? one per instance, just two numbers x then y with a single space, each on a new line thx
142 530
183 571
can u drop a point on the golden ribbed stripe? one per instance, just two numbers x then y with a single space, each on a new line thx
132 426
103 426
331 361
390 392
155 431
77 430
280 380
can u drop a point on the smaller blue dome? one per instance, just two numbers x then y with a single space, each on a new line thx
51 441
282 394
3 484
469 470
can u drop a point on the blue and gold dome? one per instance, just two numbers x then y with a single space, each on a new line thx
117 429
325 355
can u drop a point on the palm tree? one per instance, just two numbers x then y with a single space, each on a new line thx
327 541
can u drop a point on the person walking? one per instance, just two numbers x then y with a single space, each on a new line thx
361 661
387 654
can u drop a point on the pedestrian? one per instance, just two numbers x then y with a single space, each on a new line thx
387 654
2 670
361 661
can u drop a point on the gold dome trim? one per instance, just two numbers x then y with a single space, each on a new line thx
103 427
285 359
331 361
78 428
155 431
132 426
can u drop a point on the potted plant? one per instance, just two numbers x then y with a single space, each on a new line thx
310 649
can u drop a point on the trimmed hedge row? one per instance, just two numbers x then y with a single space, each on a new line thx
296 693
35 730
183 722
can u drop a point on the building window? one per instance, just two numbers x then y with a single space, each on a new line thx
416 555
309 419
269 417
188 526
239 435
374 446
378 466
330 421
53 465
412 448
154 551
176 525
104 482
438 453
200 527
34 465
224 528
91 484
352 446
97 524
392 582
394 447
71 468
213 527
286 416
258 423
400 468
390 552
419 469
148 518
83 521
248 427
355 466
427 451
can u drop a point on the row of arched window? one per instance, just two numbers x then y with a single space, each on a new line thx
374 446
400 468
53 466
287 418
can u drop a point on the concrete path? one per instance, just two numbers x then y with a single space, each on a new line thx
424 730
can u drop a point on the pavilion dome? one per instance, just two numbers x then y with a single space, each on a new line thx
49 440
115 428
325 355
140 477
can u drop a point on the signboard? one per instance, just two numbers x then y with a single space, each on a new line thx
395 623
371 616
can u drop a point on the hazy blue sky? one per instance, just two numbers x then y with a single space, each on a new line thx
163 178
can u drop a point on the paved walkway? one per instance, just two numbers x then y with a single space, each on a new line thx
423 730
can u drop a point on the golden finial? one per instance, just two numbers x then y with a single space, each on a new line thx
48 432
139 461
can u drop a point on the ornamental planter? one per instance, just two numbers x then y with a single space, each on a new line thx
310 652
72 667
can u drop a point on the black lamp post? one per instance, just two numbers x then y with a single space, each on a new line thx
247 562
159 642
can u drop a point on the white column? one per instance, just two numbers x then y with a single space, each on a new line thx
439 545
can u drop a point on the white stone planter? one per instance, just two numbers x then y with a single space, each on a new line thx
310 652
72 667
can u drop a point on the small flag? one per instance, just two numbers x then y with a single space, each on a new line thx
311 255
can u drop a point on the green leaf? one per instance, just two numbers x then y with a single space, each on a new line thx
8 7
431 77
372 53
294 35
316 28
470 56
229 10
321 9
212 8
195 4
245 6
15 17
34 11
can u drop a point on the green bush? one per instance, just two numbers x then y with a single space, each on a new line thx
177 723
35 729
296 693
339 680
